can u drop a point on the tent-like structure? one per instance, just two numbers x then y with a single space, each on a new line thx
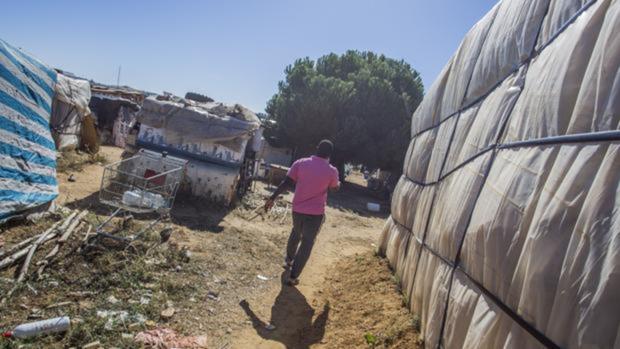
505 226
27 150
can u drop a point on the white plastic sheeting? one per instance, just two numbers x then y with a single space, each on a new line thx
505 227
69 108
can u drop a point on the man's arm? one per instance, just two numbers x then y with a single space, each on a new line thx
285 184
334 184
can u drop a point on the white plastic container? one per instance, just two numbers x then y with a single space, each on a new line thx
132 198
373 207
31 329
140 198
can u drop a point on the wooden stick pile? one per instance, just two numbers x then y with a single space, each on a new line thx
25 250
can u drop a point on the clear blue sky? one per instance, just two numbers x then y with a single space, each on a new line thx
231 50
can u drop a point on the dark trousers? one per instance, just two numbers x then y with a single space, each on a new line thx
300 242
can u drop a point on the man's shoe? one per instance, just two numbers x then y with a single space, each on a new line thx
293 281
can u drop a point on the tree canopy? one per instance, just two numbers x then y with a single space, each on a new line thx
362 101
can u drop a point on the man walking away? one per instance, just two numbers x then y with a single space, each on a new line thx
313 177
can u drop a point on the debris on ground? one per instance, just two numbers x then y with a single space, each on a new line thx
167 313
167 338
38 328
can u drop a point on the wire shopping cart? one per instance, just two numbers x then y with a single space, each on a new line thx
144 183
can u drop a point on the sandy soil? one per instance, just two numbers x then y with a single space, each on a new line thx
232 287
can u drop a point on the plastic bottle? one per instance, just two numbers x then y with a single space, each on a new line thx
132 198
31 329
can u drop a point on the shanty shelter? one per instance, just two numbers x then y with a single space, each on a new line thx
505 226
212 136
69 108
27 149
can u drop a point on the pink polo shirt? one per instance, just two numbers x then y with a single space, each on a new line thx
313 176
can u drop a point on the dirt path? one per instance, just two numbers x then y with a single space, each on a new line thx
234 280
87 180
297 312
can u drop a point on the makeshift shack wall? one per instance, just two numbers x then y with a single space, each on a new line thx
122 125
69 108
200 148
275 156
211 181
27 149
505 226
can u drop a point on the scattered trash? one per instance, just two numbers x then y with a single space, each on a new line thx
58 305
116 317
373 207
140 198
149 286
262 277
167 313
229 330
55 325
186 255
178 269
112 300
134 326
80 294
127 336
270 327
167 338
165 234
92 345
71 178
213 295
144 300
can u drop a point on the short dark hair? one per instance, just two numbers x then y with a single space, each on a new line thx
325 148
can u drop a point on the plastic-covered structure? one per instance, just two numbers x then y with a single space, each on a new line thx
69 108
27 150
213 136
505 226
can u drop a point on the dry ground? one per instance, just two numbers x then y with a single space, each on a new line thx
230 286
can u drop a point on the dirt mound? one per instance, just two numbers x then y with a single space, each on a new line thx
367 307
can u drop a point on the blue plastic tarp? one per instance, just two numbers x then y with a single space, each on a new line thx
27 150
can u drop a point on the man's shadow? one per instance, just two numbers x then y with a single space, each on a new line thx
292 317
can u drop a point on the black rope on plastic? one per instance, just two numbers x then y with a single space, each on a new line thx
565 25
506 309
541 337
533 55
601 136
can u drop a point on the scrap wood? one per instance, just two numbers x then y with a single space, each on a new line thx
58 305
29 252
32 250
167 338
18 245
61 241
23 247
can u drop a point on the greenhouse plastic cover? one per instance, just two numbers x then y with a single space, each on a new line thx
505 226
27 150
